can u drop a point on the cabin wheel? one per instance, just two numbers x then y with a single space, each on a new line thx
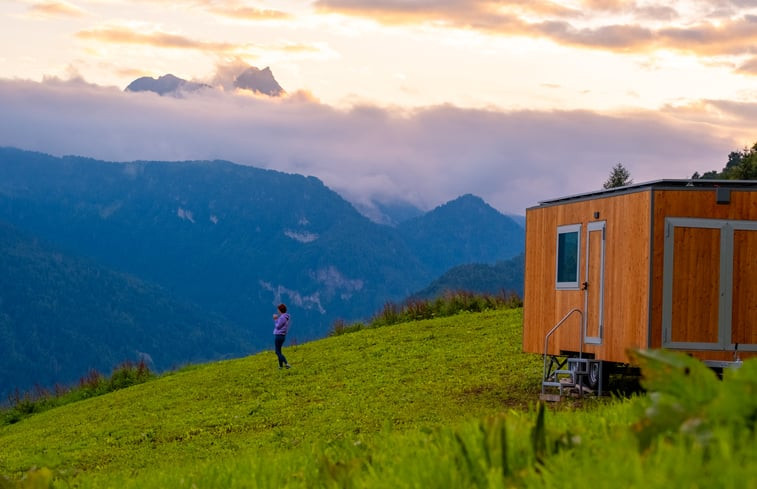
594 375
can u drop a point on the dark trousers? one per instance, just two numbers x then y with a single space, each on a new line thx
279 342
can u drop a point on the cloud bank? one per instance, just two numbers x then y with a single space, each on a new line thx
370 154
708 29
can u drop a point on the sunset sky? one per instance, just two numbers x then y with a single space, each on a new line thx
420 101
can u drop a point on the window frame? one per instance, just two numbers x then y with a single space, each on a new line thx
564 230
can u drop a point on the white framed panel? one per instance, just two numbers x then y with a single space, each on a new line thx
721 282
594 290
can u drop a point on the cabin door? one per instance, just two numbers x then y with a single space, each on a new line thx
710 284
594 286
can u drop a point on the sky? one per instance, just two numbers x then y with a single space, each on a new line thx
393 101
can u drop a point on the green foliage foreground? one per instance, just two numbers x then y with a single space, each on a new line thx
433 404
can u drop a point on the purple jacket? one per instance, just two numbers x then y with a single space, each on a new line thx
281 324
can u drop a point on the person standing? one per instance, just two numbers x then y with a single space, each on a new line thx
280 328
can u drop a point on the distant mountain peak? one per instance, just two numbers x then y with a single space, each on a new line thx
468 199
464 207
257 80
464 230
164 85
252 78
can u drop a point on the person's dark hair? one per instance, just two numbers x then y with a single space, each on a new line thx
282 308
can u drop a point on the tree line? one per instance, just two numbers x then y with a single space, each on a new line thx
741 165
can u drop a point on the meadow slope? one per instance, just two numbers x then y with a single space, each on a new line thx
418 375
442 403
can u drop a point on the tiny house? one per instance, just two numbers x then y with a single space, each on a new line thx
666 264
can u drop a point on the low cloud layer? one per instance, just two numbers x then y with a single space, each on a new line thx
425 157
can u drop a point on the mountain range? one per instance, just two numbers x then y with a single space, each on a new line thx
505 276
62 315
252 79
182 261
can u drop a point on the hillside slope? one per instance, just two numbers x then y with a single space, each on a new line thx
76 316
424 374
230 241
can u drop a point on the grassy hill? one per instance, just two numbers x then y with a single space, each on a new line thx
416 375
448 402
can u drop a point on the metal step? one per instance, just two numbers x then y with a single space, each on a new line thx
566 380
581 365
550 397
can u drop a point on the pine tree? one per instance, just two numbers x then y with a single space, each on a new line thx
619 177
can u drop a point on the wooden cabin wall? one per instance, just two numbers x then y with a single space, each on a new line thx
627 272
702 204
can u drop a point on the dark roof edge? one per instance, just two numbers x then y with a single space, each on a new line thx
700 183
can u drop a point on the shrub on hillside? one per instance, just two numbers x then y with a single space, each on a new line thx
341 327
448 304
91 385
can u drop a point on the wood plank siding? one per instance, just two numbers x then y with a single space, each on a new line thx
695 271
626 275
702 300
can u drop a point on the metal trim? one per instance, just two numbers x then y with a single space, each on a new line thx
725 285
683 345
595 226
670 184
650 284
565 229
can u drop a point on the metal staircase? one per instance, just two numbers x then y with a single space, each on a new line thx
567 376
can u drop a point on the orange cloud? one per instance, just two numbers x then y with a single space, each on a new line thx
298 48
611 37
737 36
249 13
658 13
123 35
731 119
749 67
55 9
126 35
586 27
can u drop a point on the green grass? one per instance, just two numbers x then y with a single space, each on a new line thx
443 403
418 375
